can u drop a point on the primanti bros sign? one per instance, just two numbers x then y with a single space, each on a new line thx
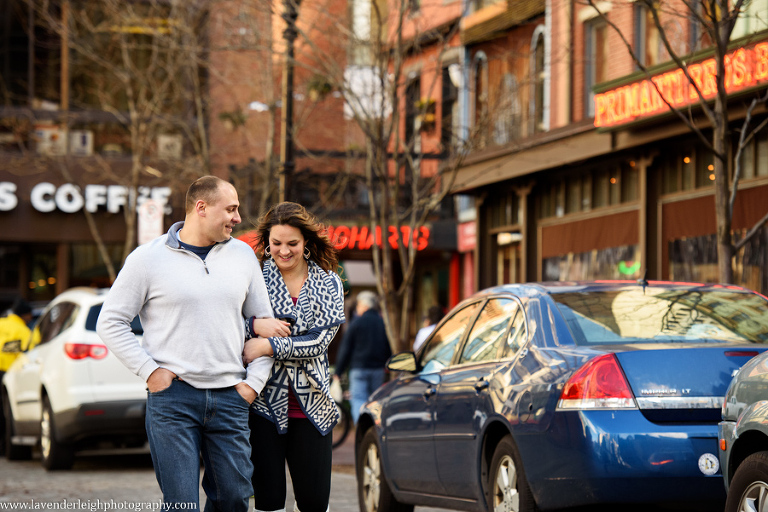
745 67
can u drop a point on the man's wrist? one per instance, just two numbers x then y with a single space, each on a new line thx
244 383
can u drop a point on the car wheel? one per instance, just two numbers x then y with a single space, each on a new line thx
12 451
749 486
55 455
508 489
373 492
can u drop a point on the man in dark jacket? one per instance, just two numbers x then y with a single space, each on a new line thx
364 350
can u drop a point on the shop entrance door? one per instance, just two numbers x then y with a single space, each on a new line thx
508 264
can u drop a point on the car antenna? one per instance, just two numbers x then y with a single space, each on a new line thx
643 281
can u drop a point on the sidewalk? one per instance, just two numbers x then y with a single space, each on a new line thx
344 455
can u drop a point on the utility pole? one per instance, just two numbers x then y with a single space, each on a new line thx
287 165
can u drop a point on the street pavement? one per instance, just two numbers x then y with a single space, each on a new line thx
344 455
125 480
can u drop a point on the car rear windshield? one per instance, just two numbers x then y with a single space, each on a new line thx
664 315
93 316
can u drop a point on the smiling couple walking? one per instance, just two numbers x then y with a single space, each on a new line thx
234 352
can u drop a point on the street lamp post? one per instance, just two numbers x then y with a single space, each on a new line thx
287 165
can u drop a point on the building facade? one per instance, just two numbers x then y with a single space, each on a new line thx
614 185
75 141
79 147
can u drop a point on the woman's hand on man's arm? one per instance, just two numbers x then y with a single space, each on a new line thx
270 327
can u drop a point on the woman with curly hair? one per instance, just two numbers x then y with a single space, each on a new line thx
291 420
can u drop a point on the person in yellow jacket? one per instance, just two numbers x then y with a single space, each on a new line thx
14 334
14 339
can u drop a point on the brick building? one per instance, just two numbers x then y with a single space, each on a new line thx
598 189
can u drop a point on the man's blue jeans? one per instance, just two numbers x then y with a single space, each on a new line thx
183 423
363 382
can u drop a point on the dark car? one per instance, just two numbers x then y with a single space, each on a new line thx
744 438
552 395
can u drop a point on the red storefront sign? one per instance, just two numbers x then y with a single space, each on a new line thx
745 67
361 237
467 236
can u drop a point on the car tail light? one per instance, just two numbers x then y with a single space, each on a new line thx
84 350
599 384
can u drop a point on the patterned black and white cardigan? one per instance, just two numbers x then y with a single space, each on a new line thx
301 360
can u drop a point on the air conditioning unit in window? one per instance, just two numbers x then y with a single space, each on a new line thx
81 142
169 146
50 140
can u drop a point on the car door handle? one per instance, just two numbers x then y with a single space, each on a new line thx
429 392
481 384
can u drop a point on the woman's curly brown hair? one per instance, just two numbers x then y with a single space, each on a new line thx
321 249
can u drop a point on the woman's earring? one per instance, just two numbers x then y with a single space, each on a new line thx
267 253
307 254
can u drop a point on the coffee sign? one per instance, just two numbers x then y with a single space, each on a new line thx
70 198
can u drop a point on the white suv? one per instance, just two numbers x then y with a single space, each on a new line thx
69 392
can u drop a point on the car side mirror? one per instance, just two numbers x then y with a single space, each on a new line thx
403 362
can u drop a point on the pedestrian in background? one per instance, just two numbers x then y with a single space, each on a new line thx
293 418
433 316
14 333
364 351
14 339
191 289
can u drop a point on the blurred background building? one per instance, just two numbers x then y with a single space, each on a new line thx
519 112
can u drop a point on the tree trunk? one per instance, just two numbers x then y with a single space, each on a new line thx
722 194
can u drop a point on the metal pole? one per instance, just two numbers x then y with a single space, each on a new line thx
287 165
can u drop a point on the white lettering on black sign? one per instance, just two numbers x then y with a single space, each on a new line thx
69 198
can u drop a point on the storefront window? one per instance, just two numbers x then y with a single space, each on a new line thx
748 161
505 210
689 182
614 188
587 189
691 168
87 267
547 204
629 182
509 269
695 259
600 183
573 197
705 169
669 175
610 263
43 272
761 169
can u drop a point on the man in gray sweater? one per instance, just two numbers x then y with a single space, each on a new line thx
191 289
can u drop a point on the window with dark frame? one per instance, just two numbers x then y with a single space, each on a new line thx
595 60
449 110
539 75
647 43
480 95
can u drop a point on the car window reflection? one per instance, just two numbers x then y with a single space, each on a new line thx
487 335
663 315
445 340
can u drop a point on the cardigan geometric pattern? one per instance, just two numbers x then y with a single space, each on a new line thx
301 360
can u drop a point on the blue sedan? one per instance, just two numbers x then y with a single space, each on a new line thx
545 396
